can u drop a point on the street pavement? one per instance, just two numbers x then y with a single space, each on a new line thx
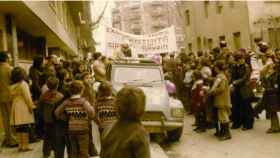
156 152
244 144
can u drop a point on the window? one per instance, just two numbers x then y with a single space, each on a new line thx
206 6
198 41
273 36
205 43
231 4
219 7
123 75
237 40
190 47
187 14
210 43
222 38
1 41
60 11
52 4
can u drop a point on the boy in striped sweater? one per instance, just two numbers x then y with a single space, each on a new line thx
77 112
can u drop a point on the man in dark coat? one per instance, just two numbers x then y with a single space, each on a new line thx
240 107
127 138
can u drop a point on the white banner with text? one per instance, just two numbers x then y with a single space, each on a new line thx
163 41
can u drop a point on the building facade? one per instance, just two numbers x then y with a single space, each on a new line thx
144 17
237 22
28 28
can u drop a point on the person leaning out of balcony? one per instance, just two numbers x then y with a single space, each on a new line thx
221 94
22 108
127 137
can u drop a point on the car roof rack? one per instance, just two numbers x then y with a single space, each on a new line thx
134 61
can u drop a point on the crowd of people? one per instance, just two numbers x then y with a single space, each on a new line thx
220 87
58 100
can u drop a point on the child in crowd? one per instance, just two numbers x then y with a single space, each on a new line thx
198 100
48 102
90 95
78 113
220 91
107 111
22 108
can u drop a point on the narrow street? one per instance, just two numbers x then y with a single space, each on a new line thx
244 144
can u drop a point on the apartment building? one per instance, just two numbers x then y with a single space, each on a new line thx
237 22
144 17
28 28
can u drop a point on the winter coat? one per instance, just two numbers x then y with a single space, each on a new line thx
21 104
5 74
48 102
126 139
198 97
221 92
36 76
271 97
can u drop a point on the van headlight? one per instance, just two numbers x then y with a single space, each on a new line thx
177 112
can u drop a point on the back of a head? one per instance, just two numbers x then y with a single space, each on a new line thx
131 101
96 55
105 89
223 44
38 61
18 75
76 87
221 65
52 83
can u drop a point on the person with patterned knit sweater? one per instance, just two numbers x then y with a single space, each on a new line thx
77 111
107 110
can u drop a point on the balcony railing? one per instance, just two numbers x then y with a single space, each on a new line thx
159 24
134 17
156 3
134 6
158 12
115 11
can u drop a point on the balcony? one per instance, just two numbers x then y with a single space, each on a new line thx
156 3
134 6
157 12
159 24
116 18
136 27
115 11
134 17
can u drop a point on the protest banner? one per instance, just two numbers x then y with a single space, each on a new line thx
163 41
